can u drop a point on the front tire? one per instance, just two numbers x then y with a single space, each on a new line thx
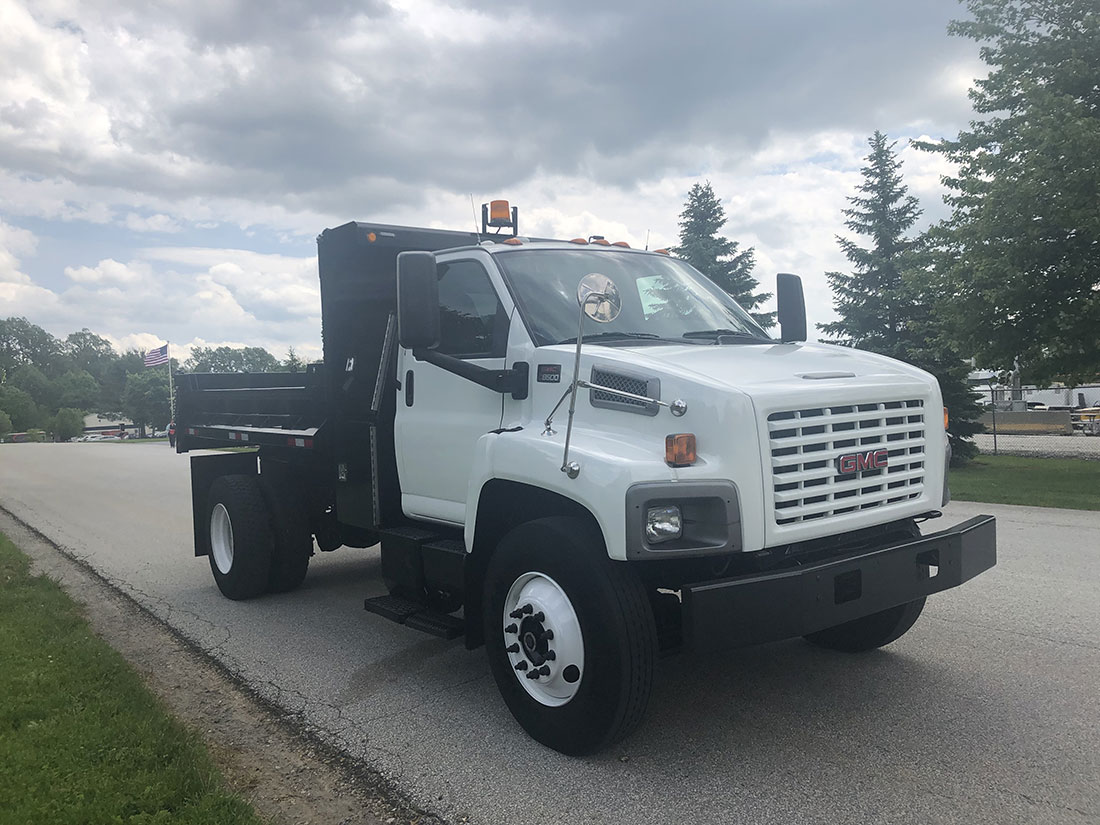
556 606
869 632
241 540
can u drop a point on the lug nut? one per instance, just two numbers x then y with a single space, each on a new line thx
512 648
534 674
547 635
539 617
543 671
550 655
521 665
511 628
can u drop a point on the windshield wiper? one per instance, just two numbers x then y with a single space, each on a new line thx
595 336
718 334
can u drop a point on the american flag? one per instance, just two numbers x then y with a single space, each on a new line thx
156 357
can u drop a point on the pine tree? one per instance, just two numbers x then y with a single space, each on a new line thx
716 257
884 303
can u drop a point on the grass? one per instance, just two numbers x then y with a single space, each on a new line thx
81 738
1072 483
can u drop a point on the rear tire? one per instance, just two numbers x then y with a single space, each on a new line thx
597 664
241 540
293 541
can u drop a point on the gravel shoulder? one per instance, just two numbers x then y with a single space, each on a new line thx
287 775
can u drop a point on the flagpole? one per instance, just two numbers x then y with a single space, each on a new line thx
171 391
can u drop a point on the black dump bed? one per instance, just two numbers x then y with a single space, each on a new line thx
340 411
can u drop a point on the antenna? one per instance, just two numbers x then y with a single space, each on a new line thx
647 240
477 229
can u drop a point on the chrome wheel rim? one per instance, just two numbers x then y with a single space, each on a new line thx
543 640
221 538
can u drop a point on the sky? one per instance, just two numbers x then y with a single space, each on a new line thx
165 167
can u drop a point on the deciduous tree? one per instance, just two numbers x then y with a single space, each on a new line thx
24 413
230 359
23 343
145 399
1019 258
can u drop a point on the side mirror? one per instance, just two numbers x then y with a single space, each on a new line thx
417 300
792 307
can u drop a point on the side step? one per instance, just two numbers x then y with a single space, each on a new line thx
415 615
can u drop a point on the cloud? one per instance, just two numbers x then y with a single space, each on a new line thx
320 109
228 123
108 271
151 223
179 294
15 243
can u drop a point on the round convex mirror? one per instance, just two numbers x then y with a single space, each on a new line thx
599 298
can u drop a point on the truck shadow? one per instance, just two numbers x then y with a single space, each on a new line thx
781 702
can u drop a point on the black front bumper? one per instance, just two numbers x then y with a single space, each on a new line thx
795 601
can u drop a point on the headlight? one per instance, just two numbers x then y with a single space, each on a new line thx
663 524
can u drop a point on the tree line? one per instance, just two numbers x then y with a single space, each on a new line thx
1011 279
50 384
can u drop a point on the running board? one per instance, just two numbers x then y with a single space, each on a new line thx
415 615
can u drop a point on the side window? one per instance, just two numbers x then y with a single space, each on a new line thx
471 318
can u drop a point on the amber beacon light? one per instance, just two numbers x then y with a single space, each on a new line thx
499 215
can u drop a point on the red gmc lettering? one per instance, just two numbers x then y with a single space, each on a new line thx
856 462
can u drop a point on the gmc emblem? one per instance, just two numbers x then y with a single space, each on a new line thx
855 462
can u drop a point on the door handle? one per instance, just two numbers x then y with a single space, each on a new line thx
409 388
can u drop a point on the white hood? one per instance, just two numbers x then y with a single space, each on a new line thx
767 368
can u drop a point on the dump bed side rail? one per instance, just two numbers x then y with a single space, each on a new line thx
279 409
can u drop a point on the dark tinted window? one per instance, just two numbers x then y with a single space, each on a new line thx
472 320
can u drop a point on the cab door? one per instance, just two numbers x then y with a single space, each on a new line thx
440 416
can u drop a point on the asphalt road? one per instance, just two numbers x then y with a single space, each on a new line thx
987 711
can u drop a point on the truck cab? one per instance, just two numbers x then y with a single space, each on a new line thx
581 456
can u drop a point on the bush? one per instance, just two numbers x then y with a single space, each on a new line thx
68 423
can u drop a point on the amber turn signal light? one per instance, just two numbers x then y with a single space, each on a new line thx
680 449
946 418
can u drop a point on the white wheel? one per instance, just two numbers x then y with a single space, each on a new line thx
241 540
221 538
543 640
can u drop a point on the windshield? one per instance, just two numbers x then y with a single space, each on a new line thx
662 298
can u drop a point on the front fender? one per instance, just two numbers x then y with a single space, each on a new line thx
608 468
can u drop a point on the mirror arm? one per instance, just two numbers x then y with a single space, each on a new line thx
514 380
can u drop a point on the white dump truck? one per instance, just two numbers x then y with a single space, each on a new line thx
581 456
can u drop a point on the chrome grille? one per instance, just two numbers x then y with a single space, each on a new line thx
805 446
